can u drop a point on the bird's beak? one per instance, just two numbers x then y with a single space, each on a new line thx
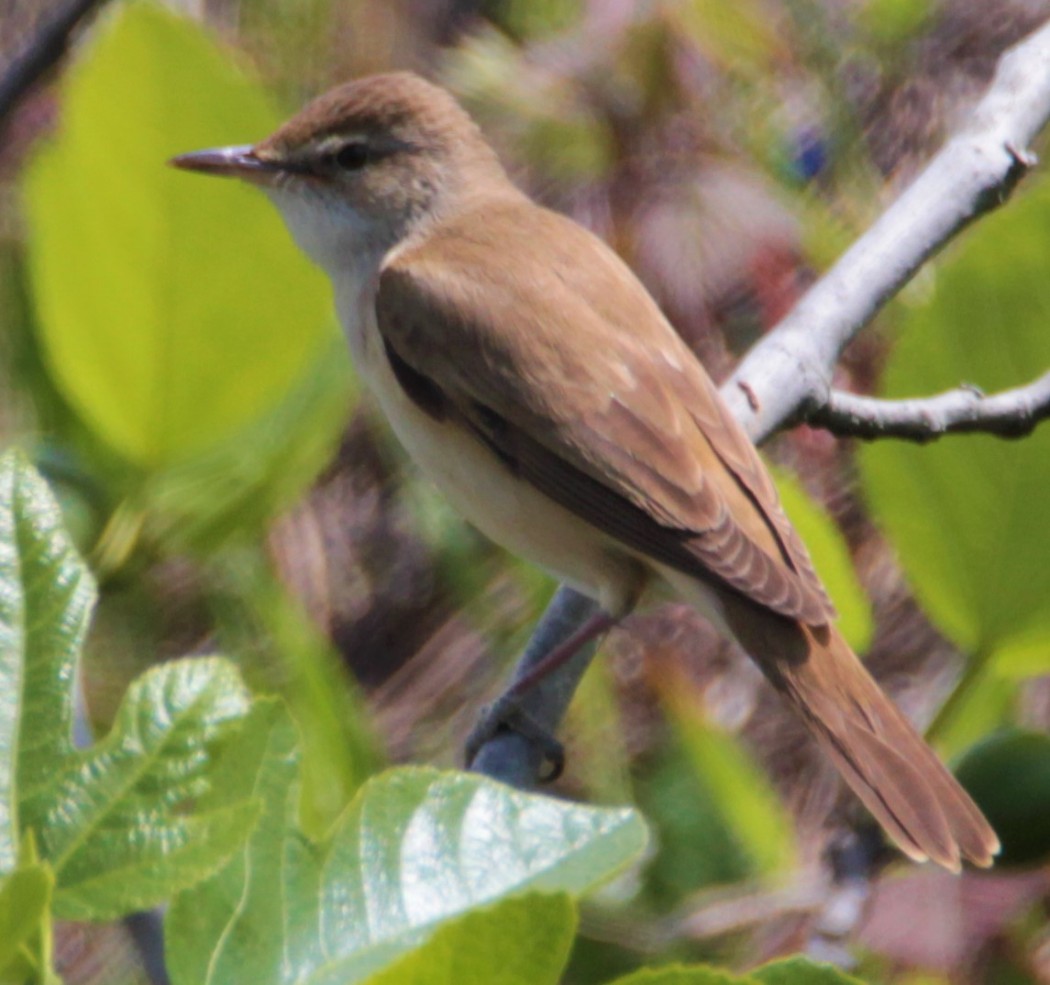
229 162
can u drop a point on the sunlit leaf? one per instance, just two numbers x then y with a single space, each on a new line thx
173 308
244 481
116 822
416 851
45 600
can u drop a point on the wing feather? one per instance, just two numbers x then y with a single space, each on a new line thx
636 441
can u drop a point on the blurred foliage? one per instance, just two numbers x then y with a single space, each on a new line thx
968 517
219 336
169 361
741 37
993 771
234 344
733 787
893 21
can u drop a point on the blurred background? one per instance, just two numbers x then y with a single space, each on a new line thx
173 367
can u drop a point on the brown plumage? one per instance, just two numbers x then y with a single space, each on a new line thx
646 451
532 376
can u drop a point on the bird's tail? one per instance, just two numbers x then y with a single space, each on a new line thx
884 760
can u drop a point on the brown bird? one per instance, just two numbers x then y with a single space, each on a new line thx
530 374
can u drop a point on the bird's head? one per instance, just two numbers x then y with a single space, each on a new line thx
364 165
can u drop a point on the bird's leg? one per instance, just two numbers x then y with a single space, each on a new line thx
514 735
596 626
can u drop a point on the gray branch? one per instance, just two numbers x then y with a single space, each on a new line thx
787 375
1009 414
789 371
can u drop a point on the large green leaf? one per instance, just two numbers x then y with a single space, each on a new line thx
45 601
115 822
174 309
244 481
969 516
415 852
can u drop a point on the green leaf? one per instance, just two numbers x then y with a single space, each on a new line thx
753 812
969 515
45 601
174 309
117 824
414 852
25 899
741 36
697 846
114 822
244 481
530 19
519 941
831 559
742 793
892 22
802 971
682 975
980 703
231 928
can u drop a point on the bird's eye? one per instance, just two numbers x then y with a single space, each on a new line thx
352 156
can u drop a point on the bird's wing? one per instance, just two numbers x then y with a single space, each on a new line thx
539 340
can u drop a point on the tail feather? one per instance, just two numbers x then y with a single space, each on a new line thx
880 755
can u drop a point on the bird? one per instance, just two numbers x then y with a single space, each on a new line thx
532 377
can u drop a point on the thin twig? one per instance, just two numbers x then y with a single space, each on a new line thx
965 410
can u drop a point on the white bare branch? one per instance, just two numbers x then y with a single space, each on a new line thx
788 373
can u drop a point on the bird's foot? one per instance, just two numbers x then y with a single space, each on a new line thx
505 714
